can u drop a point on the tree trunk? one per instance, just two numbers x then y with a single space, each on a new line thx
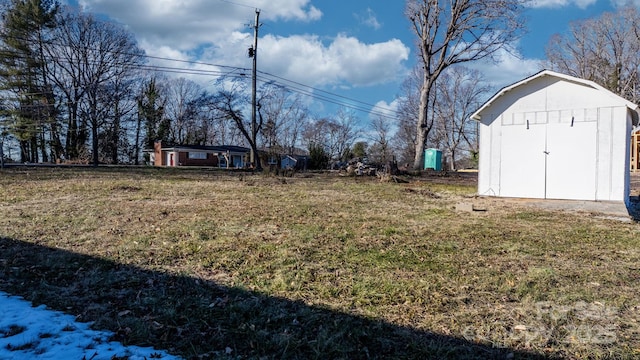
137 149
72 133
56 144
453 160
421 139
43 145
24 151
257 163
115 135
94 143
422 127
34 148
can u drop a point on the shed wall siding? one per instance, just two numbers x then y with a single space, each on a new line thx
572 130
490 156
522 160
619 154
550 107
627 157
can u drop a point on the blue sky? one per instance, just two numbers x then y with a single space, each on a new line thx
360 49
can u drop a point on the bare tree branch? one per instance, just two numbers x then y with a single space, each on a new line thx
452 32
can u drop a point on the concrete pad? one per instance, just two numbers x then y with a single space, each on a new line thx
607 209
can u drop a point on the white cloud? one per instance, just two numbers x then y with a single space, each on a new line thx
369 18
187 24
384 108
289 10
509 68
219 32
387 108
559 3
623 3
306 59
164 52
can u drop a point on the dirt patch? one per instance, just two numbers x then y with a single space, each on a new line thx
450 178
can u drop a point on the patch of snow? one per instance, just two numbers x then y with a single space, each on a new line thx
28 332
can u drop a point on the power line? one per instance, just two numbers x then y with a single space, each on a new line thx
318 90
291 85
238 4
364 107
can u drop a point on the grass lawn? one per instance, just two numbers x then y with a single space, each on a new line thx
207 264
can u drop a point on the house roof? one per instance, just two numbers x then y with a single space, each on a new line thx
277 149
633 107
207 148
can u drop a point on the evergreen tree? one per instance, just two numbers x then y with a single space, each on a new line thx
151 112
318 157
23 75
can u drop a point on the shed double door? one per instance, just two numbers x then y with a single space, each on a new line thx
549 161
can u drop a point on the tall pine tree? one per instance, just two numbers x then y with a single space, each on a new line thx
151 113
30 116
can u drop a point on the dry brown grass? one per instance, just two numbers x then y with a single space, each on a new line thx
201 262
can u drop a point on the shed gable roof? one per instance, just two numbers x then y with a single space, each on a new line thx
631 106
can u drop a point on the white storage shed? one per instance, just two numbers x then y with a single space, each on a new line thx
554 136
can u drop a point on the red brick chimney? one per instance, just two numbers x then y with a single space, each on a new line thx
157 149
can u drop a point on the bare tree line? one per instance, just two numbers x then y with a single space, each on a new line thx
78 89
605 50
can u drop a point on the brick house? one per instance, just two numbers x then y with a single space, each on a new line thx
222 156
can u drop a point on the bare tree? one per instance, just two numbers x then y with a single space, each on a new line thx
111 53
408 108
118 98
284 117
89 60
380 151
605 50
451 32
181 102
222 129
64 59
335 135
460 92
229 102
344 134
204 125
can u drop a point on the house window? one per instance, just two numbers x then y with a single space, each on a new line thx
198 155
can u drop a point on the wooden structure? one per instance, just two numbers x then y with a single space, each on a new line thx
635 151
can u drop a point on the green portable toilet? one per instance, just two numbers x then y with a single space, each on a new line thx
433 159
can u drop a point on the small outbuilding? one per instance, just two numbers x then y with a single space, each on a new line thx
554 136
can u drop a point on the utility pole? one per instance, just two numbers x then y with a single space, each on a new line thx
254 53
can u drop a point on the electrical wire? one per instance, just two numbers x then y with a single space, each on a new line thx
238 4
264 77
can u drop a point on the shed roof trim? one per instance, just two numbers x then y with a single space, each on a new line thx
633 107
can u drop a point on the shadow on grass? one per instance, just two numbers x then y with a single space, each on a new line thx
200 319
